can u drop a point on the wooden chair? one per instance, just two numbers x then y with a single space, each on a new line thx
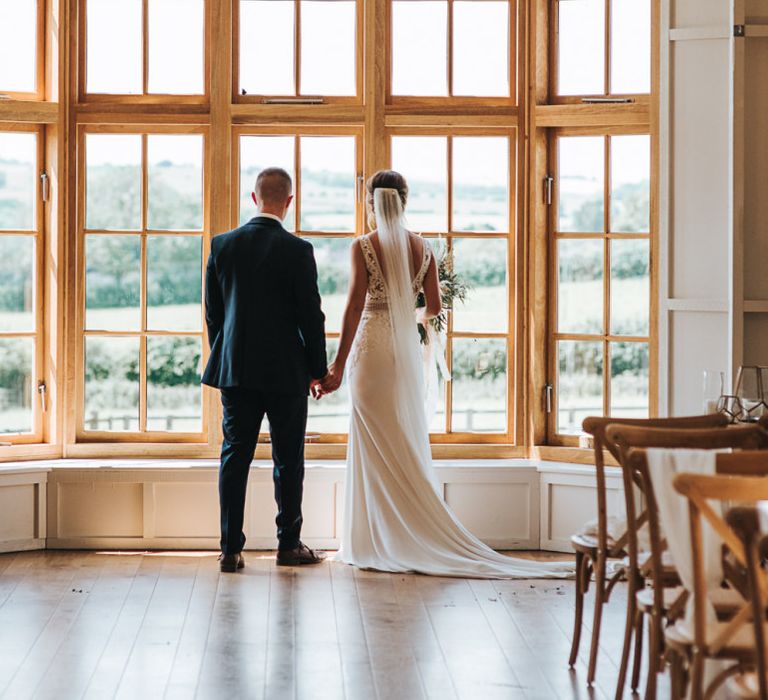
733 641
664 600
745 522
594 552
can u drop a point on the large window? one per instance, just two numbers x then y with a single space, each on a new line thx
524 130
142 242
460 186
20 278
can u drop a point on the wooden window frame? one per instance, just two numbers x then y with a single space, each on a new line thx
338 100
606 236
555 98
450 102
141 436
38 93
145 97
38 234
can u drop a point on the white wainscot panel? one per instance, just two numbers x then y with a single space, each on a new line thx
186 510
22 509
698 341
100 510
700 13
569 501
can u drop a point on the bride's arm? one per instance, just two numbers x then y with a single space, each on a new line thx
358 287
431 294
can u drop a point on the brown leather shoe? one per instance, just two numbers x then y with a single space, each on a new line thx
230 563
298 557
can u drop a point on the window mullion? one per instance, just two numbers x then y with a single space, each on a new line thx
145 47
449 48
607 29
297 46
606 273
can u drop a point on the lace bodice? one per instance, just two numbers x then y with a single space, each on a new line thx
377 291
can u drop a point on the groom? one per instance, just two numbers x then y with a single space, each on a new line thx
267 335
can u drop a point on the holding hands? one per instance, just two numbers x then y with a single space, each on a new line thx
330 383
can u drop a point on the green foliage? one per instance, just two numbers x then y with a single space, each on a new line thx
453 288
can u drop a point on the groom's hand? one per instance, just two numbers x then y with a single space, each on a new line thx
316 389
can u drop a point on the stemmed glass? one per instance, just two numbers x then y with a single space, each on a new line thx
713 388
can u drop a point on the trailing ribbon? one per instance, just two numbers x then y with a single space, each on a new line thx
433 355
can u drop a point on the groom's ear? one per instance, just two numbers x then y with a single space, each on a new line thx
288 203
253 197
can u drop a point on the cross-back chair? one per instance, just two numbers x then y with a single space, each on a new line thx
653 584
593 552
733 641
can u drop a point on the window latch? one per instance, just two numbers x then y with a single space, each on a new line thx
42 389
546 396
549 183
45 186
359 187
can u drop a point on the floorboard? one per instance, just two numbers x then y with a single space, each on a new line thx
168 625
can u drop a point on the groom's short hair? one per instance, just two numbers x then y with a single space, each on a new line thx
273 186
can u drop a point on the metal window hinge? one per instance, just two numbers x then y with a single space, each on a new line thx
739 30
42 389
359 187
549 183
45 186
546 396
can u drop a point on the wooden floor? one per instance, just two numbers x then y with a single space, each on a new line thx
155 625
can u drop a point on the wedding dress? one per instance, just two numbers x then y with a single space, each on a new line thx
395 519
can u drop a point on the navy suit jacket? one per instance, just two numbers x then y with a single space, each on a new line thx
262 308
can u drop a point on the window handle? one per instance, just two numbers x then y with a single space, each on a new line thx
42 390
45 186
547 397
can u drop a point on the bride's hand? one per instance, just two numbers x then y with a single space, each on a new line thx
332 380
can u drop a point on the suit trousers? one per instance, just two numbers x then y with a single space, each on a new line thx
244 411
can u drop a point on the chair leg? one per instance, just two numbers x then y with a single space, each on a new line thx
675 676
654 654
629 626
696 689
579 587
596 619
638 655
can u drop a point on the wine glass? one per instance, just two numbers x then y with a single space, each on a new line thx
749 389
713 388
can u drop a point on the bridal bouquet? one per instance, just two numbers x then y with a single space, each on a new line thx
452 289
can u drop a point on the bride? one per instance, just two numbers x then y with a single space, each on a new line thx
394 517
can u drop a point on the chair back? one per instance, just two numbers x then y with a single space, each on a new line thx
701 490
595 426
745 522
632 442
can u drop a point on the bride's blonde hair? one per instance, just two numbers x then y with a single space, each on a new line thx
390 179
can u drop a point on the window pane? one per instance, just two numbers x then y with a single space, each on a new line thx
480 48
630 287
266 47
18 181
257 153
332 256
579 383
175 175
328 51
630 184
17 283
630 46
331 414
16 384
419 47
629 380
479 385
480 184
581 47
114 49
112 283
18 45
483 264
176 46
112 384
423 160
580 184
174 396
174 283
113 181
580 286
328 183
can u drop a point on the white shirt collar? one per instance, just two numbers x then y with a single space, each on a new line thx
265 215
